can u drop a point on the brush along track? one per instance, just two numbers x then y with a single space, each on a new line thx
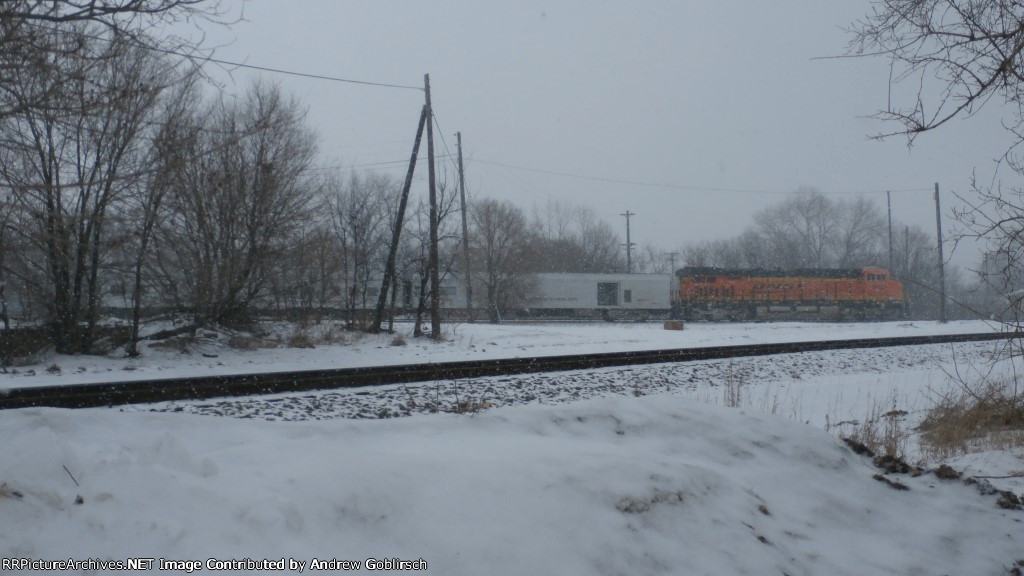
147 391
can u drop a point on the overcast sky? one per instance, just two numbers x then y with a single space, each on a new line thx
725 106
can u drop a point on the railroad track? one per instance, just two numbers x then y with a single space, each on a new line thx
148 391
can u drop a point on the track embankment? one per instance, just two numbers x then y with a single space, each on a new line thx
198 388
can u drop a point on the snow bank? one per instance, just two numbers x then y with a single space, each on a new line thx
651 485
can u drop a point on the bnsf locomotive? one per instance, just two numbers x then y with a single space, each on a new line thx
761 294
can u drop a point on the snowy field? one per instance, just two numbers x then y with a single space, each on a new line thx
717 467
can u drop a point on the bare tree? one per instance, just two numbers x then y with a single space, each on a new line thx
798 230
114 13
309 278
7 211
859 234
956 54
744 251
914 266
569 238
28 28
174 144
651 260
234 206
499 247
359 211
601 243
72 165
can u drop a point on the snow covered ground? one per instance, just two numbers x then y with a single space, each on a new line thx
212 356
634 470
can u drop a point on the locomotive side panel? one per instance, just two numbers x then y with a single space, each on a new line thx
731 294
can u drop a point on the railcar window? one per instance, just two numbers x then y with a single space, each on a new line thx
627 296
607 293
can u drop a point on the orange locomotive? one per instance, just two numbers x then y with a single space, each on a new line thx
763 294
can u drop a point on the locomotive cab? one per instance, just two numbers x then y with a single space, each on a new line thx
875 275
880 285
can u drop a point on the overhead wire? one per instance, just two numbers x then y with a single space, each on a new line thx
196 58
440 133
397 163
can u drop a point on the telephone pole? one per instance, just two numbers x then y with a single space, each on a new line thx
672 261
942 275
465 232
672 273
433 262
629 244
396 234
888 199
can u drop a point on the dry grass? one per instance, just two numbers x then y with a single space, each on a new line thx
324 333
249 342
736 381
882 431
334 333
985 411
300 340
471 406
989 416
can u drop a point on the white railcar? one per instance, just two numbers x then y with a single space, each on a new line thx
610 296
558 296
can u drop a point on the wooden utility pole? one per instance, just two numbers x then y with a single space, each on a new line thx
942 275
389 268
433 262
629 244
672 273
465 233
888 199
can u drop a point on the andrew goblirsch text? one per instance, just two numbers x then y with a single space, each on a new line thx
189 566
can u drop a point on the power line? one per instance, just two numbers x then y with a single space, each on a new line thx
680 186
402 163
294 73
443 141
194 58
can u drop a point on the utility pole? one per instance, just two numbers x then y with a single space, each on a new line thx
629 244
672 273
942 275
396 234
672 261
465 232
888 198
433 262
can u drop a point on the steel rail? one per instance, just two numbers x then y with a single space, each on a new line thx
199 388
